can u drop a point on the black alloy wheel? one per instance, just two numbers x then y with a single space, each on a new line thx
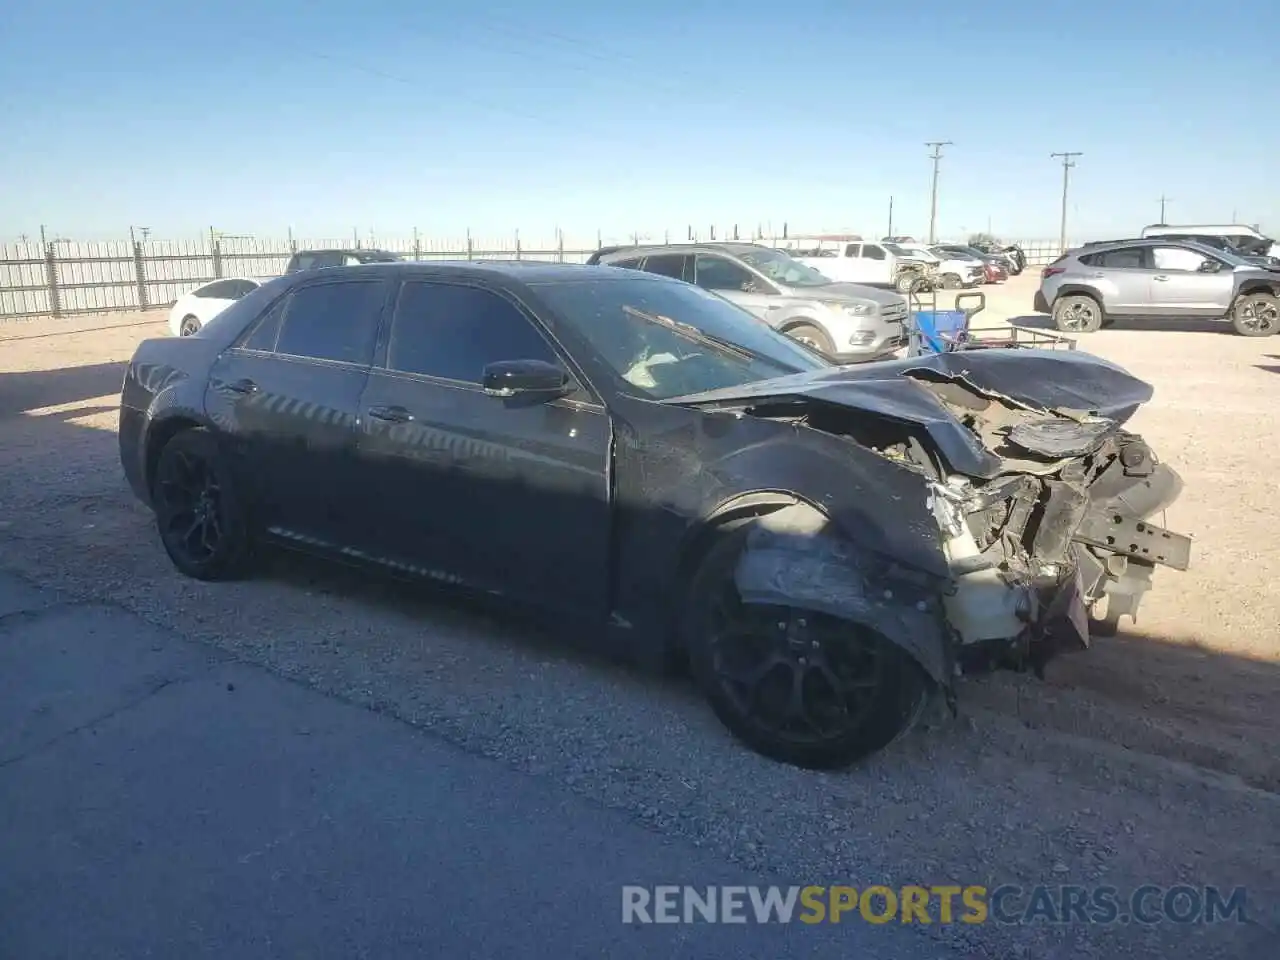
190 326
198 514
800 687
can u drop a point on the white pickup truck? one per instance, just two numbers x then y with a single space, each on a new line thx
850 259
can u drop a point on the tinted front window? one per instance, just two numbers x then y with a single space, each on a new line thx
872 252
454 332
650 359
777 266
717 273
332 321
667 265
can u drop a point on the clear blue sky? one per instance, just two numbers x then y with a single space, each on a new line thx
386 115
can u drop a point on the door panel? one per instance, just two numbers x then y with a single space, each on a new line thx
1178 285
509 494
294 427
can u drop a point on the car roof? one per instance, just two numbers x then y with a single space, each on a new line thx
715 246
521 271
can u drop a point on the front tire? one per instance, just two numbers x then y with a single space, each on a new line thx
189 327
813 337
1077 313
1256 315
199 514
951 281
799 687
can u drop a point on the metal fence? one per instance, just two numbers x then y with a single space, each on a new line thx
63 277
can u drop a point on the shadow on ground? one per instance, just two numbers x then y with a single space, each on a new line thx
27 390
1040 321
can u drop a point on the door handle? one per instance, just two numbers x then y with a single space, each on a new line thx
391 414
1161 277
242 386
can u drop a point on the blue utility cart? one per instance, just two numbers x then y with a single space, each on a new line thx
930 330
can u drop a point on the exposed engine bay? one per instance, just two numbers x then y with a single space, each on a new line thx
1054 534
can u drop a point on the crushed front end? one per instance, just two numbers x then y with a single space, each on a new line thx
1057 542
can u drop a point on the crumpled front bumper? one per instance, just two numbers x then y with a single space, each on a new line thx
1042 605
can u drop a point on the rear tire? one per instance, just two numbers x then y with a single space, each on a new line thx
1256 315
848 691
1077 313
813 337
201 519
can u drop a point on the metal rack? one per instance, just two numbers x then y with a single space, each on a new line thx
930 330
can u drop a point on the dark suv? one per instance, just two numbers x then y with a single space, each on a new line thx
316 259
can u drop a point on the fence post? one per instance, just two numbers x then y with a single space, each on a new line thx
417 245
217 259
559 245
51 279
469 247
140 274
517 244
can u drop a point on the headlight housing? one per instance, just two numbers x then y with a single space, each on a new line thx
863 309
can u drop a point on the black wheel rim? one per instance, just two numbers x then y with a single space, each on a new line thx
189 327
799 676
190 506
1261 314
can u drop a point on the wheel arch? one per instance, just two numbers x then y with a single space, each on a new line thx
159 433
826 573
1260 286
1079 290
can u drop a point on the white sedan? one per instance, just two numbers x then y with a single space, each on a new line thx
193 310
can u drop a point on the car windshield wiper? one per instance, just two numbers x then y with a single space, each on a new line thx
693 333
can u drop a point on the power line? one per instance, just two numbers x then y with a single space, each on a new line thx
936 156
1068 161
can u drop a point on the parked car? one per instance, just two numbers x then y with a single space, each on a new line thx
660 472
1247 240
952 272
846 322
193 310
849 259
1011 257
1235 245
995 268
1174 279
317 259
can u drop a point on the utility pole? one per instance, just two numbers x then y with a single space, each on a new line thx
937 146
1068 161
1163 201
890 233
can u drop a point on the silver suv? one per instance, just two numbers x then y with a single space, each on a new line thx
848 322
1171 279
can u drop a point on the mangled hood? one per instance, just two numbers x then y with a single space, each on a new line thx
1080 398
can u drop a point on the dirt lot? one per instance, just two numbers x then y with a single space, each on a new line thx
1153 758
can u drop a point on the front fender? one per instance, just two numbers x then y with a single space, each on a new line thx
794 557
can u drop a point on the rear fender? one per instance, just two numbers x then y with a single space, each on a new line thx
795 557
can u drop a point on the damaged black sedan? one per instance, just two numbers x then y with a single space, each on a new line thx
826 547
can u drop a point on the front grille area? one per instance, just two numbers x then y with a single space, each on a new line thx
894 312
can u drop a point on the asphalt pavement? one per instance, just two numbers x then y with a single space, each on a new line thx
159 799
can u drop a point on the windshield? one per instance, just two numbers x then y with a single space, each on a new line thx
657 336
777 266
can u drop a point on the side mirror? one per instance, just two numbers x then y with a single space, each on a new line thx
1209 266
512 378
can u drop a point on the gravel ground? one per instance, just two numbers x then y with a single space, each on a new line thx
1152 758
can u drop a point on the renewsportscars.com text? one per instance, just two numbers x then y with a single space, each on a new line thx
943 904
